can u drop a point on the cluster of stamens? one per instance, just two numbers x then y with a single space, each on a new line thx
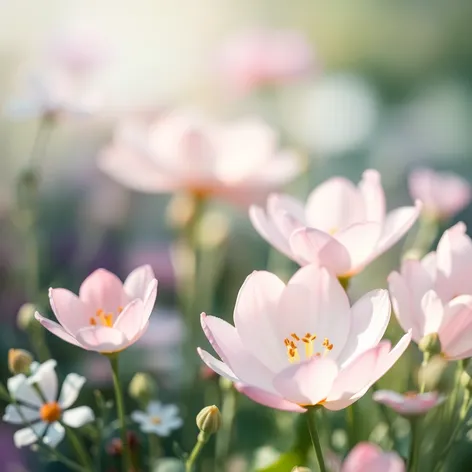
292 342
102 318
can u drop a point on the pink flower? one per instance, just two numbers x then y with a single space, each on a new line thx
182 151
301 344
341 227
443 193
368 457
434 295
409 404
107 316
259 58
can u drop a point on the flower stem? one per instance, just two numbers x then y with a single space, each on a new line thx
315 438
228 411
79 448
201 441
126 463
414 446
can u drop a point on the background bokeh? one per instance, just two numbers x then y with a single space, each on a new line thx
390 89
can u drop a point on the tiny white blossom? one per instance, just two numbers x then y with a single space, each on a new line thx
158 418
45 412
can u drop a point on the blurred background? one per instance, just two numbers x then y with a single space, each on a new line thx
387 85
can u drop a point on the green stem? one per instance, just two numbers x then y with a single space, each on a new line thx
424 238
126 462
228 411
414 446
155 450
351 426
79 448
426 357
315 438
201 441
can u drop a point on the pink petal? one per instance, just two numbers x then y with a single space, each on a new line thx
103 290
286 212
138 281
102 339
284 167
433 310
456 333
307 383
56 329
217 366
367 457
130 320
408 405
373 195
70 311
269 399
149 301
369 320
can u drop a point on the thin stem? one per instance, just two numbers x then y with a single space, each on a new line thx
228 411
315 438
155 449
126 462
424 363
351 426
79 448
201 441
414 446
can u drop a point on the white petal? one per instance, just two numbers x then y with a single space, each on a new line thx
137 282
71 387
21 390
54 435
77 417
139 417
27 436
12 415
434 312
46 379
217 366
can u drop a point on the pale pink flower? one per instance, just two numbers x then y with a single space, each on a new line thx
443 194
301 344
342 226
108 315
368 457
260 58
239 161
434 295
409 404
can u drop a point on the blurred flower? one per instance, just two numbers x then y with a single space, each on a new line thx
182 151
434 296
353 232
368 457
323 338
19 361
409 404
443 194
44 413
158 419
259 58
107 316
115 446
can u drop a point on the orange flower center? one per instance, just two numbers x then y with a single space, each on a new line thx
156 420
50 412
103 319
410 394
293 342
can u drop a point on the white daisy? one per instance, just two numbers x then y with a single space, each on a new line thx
45 413
158 418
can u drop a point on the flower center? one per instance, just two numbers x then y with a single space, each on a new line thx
50 412
103 319
156 420
293 342
410 394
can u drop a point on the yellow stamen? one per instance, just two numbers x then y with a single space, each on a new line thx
156 420
308 340
50 412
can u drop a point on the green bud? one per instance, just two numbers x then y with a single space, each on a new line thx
25 318
301 469
19 361
466 380
142 388
209 420
430 344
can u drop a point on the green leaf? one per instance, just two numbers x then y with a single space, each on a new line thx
286 462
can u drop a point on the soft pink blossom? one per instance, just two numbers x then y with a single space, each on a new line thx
368 457
108 315
259 58
342 226
434 295
409 404
302 344
239 161
443 193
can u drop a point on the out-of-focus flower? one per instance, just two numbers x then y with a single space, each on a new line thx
301 344
341 227
368 457
44 413
443 194
409 404
115 446
239 161
259 58
142 387
107 316
19 361
158 419
433 296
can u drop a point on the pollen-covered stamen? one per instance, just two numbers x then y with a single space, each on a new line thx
327 345
309 341
104 319
292 350
50 412
156 420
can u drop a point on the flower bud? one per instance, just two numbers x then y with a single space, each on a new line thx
209 420
25 318
142 388
301 469
466 380
430 344
19 361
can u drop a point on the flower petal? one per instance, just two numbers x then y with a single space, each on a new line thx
22 391
27 436
70 390
56 329
269 399
307 383
217 366
54 434
102 339
12 415
137 282
130 320
455 334
433 310
70 311
373 195
45 378
77 417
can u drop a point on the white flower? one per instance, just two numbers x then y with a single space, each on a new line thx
158 418
45 412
